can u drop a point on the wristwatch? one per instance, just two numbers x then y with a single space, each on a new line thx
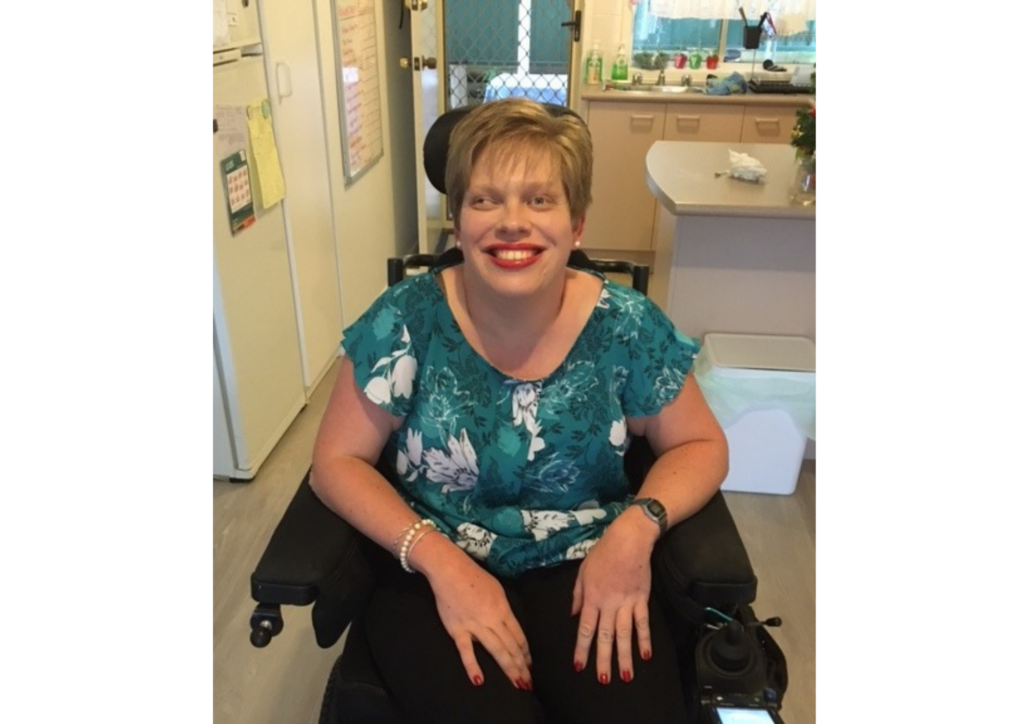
654 510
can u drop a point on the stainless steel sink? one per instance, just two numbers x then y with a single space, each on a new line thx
652 88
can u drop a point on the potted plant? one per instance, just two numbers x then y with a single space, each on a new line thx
803 132
804 181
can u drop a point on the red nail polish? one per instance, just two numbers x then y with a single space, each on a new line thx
578 665
520 684
645 655
478 680
627 676
603 678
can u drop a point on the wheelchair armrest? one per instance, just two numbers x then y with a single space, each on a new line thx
314 555
703 561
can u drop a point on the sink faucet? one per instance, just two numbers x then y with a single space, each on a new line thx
638 79
686 81
661 77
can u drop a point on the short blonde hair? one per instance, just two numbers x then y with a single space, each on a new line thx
515 127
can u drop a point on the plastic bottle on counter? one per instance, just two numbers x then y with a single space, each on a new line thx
593 73
620 69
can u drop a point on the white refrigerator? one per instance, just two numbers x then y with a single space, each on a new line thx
257 368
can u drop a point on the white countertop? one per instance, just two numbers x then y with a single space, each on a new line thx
681 175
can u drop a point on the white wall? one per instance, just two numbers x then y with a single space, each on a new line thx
610 23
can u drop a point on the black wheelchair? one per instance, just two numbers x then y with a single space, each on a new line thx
701 572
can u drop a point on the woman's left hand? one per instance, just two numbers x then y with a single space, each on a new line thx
611 593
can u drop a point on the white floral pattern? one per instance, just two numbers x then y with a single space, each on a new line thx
410 456
473 539
618 435
542 523
455 469
399 374
525 399
668 383
580 550
589 513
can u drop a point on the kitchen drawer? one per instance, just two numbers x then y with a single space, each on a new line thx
703 122
768 124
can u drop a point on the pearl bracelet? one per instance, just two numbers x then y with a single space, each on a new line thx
401 536
426 529
410 538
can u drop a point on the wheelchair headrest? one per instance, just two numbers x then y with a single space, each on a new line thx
435 145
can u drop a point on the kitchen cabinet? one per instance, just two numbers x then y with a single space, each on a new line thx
623 211
622 214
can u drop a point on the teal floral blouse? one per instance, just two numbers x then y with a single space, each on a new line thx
520 474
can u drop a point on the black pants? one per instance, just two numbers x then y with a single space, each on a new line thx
421 664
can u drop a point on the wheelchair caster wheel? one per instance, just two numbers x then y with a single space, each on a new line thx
266 623
260 637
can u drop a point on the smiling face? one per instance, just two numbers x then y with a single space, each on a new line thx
515 227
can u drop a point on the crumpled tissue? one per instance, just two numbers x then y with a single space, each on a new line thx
746 168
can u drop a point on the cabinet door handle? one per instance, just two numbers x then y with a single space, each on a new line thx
766 121
284 81
687 120
635 119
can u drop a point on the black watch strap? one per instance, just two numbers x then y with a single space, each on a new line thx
654 510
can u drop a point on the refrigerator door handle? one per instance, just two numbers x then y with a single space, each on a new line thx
284 81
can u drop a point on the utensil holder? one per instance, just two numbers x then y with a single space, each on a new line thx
751 37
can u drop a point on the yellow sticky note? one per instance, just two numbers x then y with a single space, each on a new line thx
266 167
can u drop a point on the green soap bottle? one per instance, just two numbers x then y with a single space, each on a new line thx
594 63
620 69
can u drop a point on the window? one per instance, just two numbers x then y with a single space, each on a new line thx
795 48
658 39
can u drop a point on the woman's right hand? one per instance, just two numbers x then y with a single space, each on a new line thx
473 607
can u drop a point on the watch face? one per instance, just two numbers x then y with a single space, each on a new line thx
654 510
655 507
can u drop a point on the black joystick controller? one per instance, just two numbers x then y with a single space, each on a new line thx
731 661
731 649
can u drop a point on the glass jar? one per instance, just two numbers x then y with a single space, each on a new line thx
802 191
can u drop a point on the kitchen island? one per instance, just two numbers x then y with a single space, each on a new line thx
730 256
624 125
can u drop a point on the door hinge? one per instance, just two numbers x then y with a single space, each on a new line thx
416 4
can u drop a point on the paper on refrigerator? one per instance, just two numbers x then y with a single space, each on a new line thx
221 24
266 172
232 134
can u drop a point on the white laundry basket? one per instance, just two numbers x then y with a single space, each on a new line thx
761 389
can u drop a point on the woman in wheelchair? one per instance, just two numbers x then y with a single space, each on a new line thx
505 388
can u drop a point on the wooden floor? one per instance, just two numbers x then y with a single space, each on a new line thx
284 682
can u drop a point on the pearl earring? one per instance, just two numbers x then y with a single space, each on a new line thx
576 244
458 244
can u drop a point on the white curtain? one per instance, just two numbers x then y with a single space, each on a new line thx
790 16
